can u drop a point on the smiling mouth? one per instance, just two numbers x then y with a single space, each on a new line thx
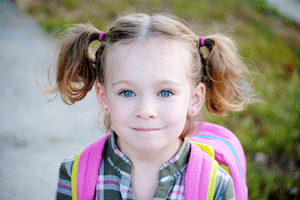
145 129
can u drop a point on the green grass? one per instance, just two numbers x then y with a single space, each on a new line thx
269 40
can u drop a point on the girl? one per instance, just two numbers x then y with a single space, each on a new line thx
152 75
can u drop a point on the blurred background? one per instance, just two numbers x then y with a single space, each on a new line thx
36 135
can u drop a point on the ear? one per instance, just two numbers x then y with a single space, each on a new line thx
197 99
101 97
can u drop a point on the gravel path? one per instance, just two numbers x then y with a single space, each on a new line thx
35 135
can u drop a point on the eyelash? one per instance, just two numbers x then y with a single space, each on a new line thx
166 91
131 93
126 91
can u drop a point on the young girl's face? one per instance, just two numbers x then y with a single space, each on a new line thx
148 94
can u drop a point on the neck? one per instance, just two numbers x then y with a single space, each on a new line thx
152 159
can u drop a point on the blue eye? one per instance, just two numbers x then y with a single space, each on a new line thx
165 94
127 93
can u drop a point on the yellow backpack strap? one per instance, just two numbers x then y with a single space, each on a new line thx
205 147
215 165
212 181
74 176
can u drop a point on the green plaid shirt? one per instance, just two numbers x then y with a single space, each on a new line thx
114 181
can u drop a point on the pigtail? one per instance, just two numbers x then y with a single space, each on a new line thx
76 74
224 76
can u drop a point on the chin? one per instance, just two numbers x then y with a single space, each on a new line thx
148 147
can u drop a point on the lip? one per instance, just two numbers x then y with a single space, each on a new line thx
145 129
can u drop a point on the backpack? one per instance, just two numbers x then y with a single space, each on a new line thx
211 145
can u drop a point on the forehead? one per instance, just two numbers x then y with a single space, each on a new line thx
154 57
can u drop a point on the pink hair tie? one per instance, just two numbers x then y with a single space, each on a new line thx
202 41
101 34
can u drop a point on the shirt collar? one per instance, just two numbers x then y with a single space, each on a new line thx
173 167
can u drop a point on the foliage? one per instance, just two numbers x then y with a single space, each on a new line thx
269 43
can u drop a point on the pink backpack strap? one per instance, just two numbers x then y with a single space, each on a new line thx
201 174
228 152
88 169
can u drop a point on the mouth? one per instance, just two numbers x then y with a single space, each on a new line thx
146 129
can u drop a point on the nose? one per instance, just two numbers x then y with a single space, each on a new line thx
146 108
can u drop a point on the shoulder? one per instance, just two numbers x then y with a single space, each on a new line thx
65 171
64 180
66 166
224 186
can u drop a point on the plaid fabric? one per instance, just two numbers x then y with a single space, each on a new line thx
224 183
115 175
114 180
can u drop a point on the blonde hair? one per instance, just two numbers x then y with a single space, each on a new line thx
216 64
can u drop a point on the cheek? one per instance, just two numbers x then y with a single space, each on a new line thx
119 112
176 112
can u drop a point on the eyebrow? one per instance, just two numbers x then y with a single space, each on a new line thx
128 82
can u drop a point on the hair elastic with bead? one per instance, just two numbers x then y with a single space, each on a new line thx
202 41
101 34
